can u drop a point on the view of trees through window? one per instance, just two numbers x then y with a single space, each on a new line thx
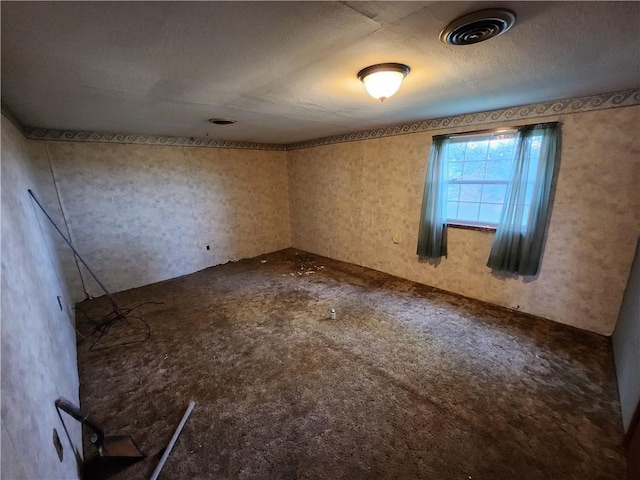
479 169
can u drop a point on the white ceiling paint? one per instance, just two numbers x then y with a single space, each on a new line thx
286 71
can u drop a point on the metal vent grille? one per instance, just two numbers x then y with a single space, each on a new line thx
478 26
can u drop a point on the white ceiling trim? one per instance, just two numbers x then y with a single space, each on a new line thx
538 110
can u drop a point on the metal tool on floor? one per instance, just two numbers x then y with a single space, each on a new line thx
120 448
172 442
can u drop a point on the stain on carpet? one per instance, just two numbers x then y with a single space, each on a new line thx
408 382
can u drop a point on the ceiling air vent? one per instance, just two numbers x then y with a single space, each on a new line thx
478 26
221 121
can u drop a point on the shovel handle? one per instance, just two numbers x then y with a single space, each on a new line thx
68 407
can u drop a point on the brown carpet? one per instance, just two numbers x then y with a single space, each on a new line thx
408 382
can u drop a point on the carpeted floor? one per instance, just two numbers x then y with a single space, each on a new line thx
407 382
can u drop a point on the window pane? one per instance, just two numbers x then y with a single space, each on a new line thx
452 209
499 170
490 213
471 164
453 192
501 149
456 151
468 211
473 171
477 151
493 193
470 193
455 171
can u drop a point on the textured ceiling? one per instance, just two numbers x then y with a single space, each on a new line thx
286 71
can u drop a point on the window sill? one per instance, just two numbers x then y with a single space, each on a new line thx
472 227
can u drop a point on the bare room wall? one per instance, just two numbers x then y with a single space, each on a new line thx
38 339
49 196
348 200
140 214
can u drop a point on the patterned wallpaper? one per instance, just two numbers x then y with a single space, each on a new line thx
348 200
38 339
48 196
134 139
143 208
144 213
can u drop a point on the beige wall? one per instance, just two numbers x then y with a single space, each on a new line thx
140 214
38 346
348 200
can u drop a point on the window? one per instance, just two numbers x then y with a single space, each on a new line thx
498 180
479 168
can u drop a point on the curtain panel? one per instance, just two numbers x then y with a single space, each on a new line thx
517 245
432 234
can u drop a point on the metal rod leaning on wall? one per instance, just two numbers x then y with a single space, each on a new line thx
115 306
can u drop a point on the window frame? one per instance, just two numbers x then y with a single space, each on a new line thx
478 135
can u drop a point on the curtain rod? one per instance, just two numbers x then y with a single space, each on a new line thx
489 131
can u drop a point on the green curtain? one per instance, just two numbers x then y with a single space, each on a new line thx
517 245
432 235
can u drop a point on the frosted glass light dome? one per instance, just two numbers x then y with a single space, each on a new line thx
383 80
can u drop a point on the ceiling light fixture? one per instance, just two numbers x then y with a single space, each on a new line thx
384 79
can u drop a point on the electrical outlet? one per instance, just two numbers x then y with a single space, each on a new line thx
396 238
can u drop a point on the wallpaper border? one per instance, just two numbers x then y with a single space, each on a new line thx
34 133
602 101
